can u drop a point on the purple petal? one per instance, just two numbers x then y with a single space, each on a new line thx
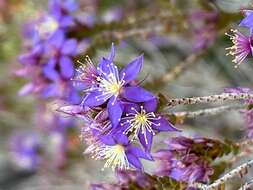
27 58
74 97
177 174
134 161
72 109
70 5
105 66
26 89
66 67
248 20
137 94
69 47
66 21
114 110
151 105
121 139
91 99
57 39
139 153
55 9
50 91
112 54
51 73
107 139
131 71
163 125
146 142
130 107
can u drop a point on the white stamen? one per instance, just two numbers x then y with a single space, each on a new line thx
140 122
115 156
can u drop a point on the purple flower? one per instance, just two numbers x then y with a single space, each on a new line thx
87 75
119 153
183 163
127 176
242 46
248 20
129 179
25 150
104 186
204 28
112 85
60 51
248 119
60 10
141 122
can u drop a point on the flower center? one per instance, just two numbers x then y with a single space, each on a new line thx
141 118
241 47
114 155
110 83
47 27
114 88
140 122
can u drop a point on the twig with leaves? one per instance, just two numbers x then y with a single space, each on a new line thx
240 171
209 99
247 185
205 112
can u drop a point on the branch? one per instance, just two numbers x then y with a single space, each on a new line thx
107 37
179 68
205 112
240 170
246 185
209 99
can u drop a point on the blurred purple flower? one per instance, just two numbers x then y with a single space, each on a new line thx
25 150
60 50
180 162
204 28
248 119
48 61
125 177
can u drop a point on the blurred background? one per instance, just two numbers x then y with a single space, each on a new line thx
186 59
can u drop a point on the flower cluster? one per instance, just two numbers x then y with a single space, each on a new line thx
48 61
128 180
118 113
29 150
184 159
25 150
242 44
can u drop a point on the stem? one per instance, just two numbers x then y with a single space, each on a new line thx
209 99
205 112
175 72
179 68
108 37
237 171
246 185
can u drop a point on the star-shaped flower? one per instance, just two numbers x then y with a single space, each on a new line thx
112 84
119 153
141 122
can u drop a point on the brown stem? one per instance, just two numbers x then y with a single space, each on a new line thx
209 99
